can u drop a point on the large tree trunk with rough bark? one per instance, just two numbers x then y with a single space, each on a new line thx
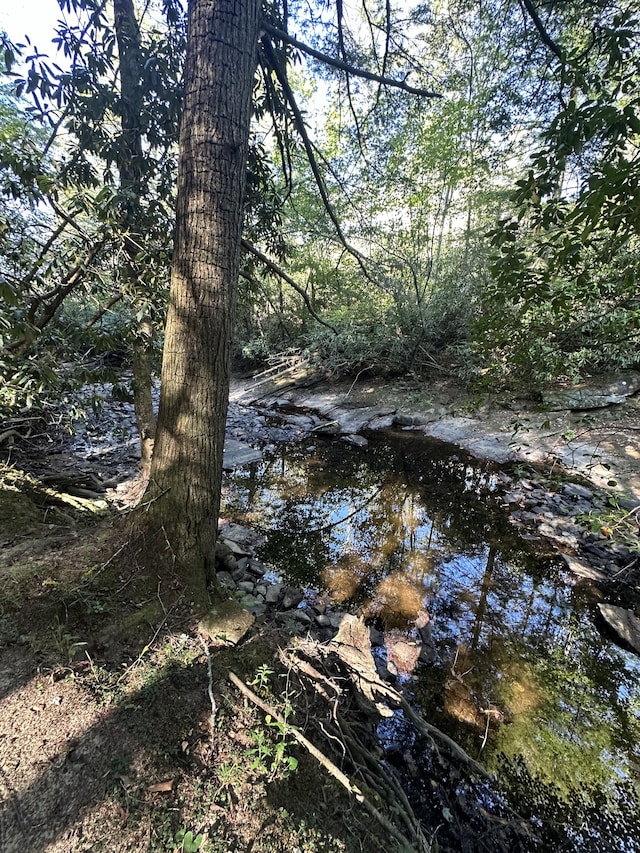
179 514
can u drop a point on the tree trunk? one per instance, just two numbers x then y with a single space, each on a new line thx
181 507
131 169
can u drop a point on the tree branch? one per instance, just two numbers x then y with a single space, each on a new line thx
276 270
345 66
553 46
302 130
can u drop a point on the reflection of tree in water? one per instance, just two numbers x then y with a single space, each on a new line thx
401 528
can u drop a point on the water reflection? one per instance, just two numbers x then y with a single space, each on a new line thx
502 648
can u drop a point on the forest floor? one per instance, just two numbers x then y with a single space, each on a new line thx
107 737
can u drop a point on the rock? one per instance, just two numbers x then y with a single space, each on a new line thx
575 490
322 620
273 593
404 419
238 573
245 537
381 422
252 603
355 440
246 586
606 391
624 623
581 569
236 549
291 598
237 454
257 568
226 580
226 623
336 619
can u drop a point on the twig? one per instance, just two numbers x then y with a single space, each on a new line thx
353 384
212 718
337 774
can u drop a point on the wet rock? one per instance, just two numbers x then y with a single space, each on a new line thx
237 454
355 440
403 419
582 569
624 623
381 422
328 428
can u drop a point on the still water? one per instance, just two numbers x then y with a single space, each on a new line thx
513 664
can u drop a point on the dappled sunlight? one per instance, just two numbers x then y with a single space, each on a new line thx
343 580
396 600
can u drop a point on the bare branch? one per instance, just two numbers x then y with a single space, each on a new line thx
308 147
276 270
345 66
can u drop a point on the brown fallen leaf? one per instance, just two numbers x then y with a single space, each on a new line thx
161 787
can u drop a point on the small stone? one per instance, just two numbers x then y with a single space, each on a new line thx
226 580
273 593
302 616
257 568
322 620
291 598
336 619
261 590
355 440
246 586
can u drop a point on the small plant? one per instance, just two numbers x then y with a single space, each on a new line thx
614 522
263 674
188 843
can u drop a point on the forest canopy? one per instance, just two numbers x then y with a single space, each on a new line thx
447 186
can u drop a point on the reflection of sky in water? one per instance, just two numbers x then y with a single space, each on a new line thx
525 635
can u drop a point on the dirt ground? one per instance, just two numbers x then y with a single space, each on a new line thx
107 741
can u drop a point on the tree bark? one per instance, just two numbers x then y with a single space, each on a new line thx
182 503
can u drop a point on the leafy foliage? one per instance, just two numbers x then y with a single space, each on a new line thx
564 297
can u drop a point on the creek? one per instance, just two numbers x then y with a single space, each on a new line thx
491 636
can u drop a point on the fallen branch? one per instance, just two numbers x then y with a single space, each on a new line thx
331 768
